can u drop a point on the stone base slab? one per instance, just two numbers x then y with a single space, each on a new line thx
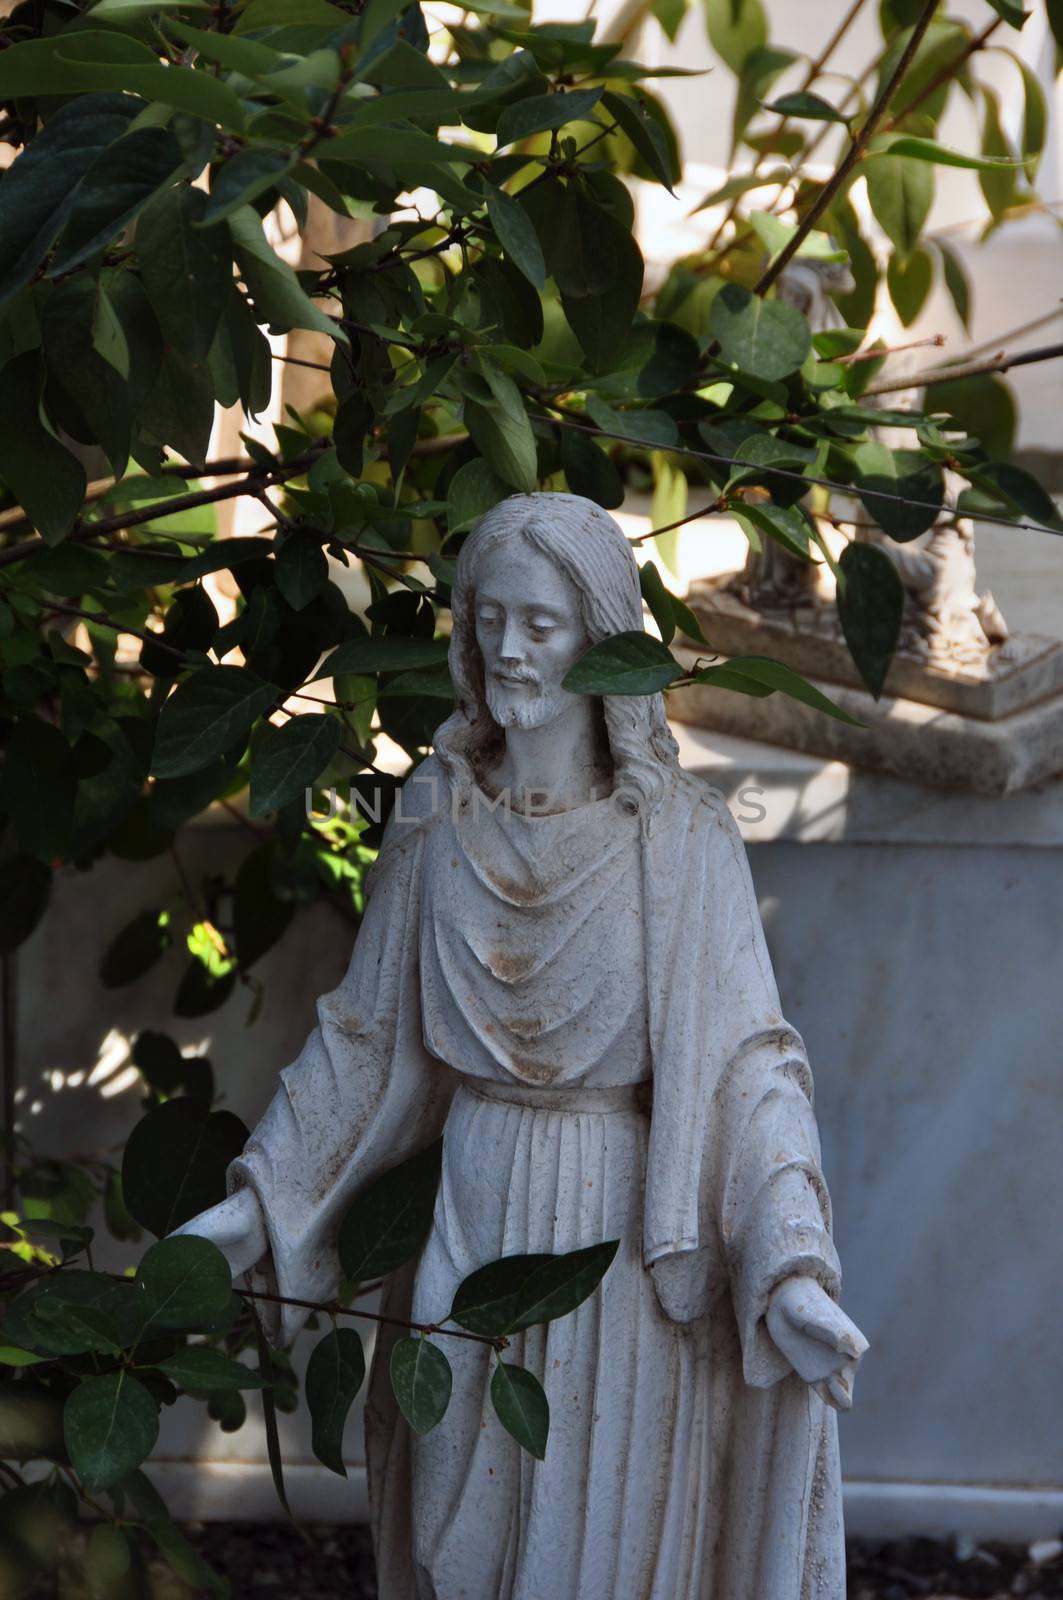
1012 677
905 738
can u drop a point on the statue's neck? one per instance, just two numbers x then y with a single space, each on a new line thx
559 765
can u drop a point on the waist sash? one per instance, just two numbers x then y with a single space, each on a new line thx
579 1098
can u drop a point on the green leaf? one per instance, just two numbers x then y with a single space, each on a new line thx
501 430
388 652
278 296
116 187
1018 489
175 1161
900 191
301 570
522 1290
765 338
787 525
1035 118
884 473
389 1221
517 236
39 786
998 175
1013 14
760 675
917 149
108 335
810 107
539 113
473 490
909 280
25 888
589 471
645 133
956 282
182 1559
521 1407
983 406
78 63
136 949
110 1426
269 1407
736 29
421 1378
44 478
242 179
183 1282
624 663
1055 21
287 760
602 320
197 1366
185 268
870 608
775 235
106 1555
334 1375
208 714
260 915
97 397
38 188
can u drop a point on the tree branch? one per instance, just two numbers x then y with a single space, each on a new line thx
855 152
965 369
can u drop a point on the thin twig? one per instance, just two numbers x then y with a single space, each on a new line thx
334 1309
967 369
117 627
855 152
937 340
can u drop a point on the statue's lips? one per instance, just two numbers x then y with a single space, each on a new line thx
509 682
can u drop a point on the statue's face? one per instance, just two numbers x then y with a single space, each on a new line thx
529 630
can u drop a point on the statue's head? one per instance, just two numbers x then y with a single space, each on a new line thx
540 579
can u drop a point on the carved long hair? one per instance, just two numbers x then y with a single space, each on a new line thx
590 549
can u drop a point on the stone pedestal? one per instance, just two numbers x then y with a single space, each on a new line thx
989 728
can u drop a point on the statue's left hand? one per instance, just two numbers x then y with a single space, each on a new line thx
820 1342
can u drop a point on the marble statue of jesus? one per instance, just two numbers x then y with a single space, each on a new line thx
562 968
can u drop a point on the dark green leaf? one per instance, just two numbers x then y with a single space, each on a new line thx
984 406
389 1221
135 950
277 293
645 133
759 675
602 320
44 478
1011 13
501 429
39 786
175 1162
73 63
885 474
37 189
811 107
286 761
269 1413
96 401
473 490
183 1282
523 1290
998 178
25 886
301 569
625 663
900 191
260 916
422 1379
208 714
766 338
1055 21
517 236
110 1426
182 1559
242 179
383 653
334 1375
1018 489
541 112
186 269
787 525
870 607
521 1407
909 280
589 471
199 1367
116 187
658 599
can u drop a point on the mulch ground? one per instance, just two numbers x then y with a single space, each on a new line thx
266 1561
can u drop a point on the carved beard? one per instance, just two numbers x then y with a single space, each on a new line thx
534 712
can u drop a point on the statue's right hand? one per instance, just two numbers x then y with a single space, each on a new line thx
236 1226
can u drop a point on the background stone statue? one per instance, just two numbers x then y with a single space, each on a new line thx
562 967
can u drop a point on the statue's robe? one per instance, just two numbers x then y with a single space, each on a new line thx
585 1006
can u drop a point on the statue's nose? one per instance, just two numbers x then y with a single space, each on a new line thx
511 645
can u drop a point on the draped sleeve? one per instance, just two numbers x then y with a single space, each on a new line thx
735 1198
363 1094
